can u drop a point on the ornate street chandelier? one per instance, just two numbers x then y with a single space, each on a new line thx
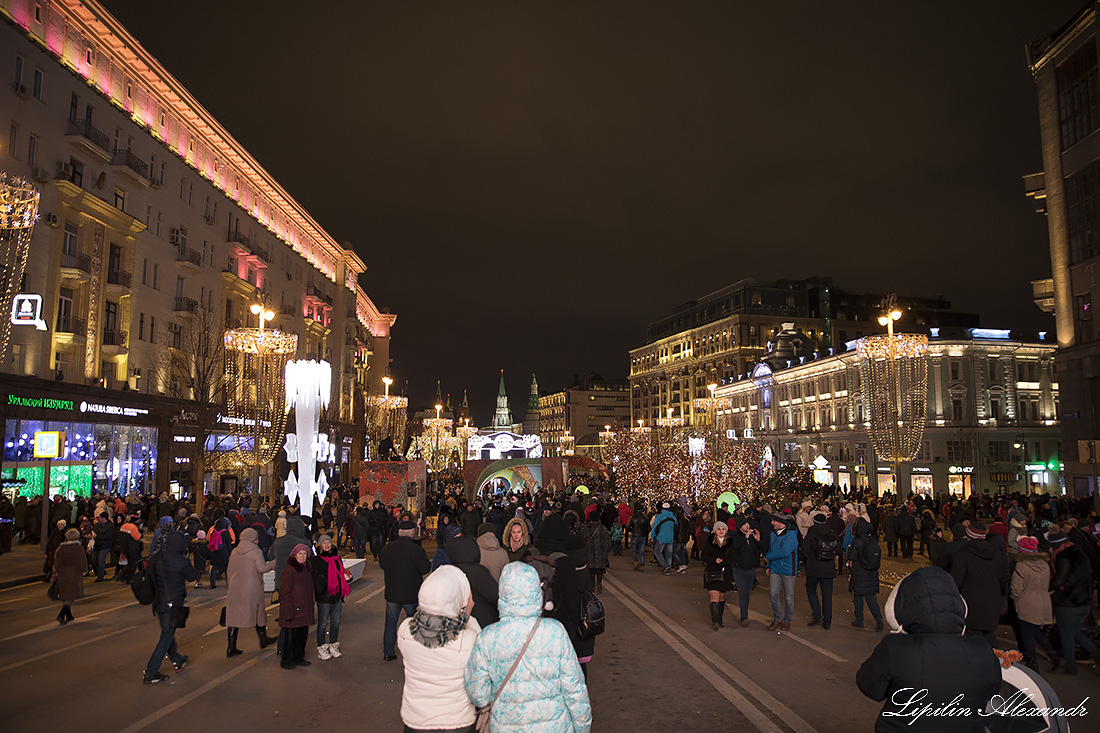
894 372
18 212
255 369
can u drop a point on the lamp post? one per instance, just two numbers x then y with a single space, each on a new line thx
387 381
1021 446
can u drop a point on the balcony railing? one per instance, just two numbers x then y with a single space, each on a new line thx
84 129
119 277
114 338
186 254
71 324
186 305
317 293
240 238
76 261
131 161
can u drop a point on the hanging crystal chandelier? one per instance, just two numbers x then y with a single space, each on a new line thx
255 385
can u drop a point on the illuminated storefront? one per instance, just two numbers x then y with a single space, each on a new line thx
922 480
960 481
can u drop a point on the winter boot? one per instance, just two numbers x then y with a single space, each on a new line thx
721 613
1030 662
714 615
231 649
69 613
61 617
265 640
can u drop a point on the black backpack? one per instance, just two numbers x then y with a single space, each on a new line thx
826 547
870 554
592 615
143 585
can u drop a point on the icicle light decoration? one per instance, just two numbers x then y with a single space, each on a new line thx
308 387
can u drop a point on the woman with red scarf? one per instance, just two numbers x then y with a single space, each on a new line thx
330 587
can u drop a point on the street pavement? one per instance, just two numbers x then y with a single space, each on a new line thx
658 667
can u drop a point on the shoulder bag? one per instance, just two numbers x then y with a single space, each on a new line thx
481 723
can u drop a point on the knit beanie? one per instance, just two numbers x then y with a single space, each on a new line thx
485 528
1028 544
976 531
819 518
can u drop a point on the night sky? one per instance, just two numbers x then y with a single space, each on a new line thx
530 183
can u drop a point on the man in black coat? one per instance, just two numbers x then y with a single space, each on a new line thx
376 523
466 556
404 566
864 583
906 527
171 572
104 531
932 657
360 531
980 570
818 551
1071 596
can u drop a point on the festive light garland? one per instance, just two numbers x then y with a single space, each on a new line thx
894 373
255 384
18 212
386 418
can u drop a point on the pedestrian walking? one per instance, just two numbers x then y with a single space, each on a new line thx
436 643
1030 590
662 534
1071 597
597 542
865 558
465 554
493 556
818 551
782 564
932 656
104 532
980 570
171 572
525 666
404 565
68 566
717 571
244 603
745 556
330 586
906 527
296 607
639 531
517 538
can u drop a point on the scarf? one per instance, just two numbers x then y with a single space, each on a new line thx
337 584
435 631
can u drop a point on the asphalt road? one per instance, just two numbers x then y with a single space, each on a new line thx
658 667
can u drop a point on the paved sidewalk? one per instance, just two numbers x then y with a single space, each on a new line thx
22 565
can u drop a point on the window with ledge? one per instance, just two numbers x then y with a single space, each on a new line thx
39 81
1078 95
70 239
120 199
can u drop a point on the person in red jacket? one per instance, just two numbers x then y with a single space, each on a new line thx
296 607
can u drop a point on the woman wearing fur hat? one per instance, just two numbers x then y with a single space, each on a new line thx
296 607
1030 592
516 538
69 565
330 585
244 604
717 571
435 644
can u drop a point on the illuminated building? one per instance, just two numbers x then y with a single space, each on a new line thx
724 333
158 230
1064 65
572 419
988 392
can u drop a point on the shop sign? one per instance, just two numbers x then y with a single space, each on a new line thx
112 409
226 420
921 469
1035 467
182 459
26 310
184 439
960 469
885 469
48 403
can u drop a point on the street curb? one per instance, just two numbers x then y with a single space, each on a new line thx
21 581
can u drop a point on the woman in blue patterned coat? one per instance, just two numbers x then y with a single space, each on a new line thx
547 691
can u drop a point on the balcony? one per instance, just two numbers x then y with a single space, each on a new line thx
318 294
238 238
1042 292
119 280
72 325
261 253
188 257
186 305
75 266
114 342
1035 188
131 166
94 141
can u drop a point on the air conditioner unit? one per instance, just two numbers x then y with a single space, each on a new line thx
174 237
40 174
64 170
52 219
989 461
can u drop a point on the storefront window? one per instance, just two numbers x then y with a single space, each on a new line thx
922 483
958 484
886 483
844 479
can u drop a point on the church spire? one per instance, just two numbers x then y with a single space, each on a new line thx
502 419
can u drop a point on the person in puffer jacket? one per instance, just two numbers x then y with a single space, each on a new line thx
927 651
547 692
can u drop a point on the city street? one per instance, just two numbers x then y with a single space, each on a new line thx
658 667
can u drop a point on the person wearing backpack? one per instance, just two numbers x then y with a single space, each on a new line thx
639 530
171 571
568 581
663 533
865 557
818 551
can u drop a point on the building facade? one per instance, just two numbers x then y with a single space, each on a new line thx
992 416
1066 76
158 230
724 333
571 420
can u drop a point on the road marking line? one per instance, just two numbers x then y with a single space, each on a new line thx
66 648
766 620
754 715
372 594
13 600
789 717
78 620
172 707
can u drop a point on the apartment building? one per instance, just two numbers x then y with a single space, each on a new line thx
571 419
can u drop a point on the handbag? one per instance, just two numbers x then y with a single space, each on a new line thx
177 616
221 618
52 592
713 574
481 723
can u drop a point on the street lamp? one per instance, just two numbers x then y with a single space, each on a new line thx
387 381
265 314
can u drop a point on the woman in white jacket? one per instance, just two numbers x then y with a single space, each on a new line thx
435 645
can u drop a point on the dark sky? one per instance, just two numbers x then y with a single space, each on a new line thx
530 183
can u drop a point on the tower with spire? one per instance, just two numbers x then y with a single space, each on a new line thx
531 417
502 418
